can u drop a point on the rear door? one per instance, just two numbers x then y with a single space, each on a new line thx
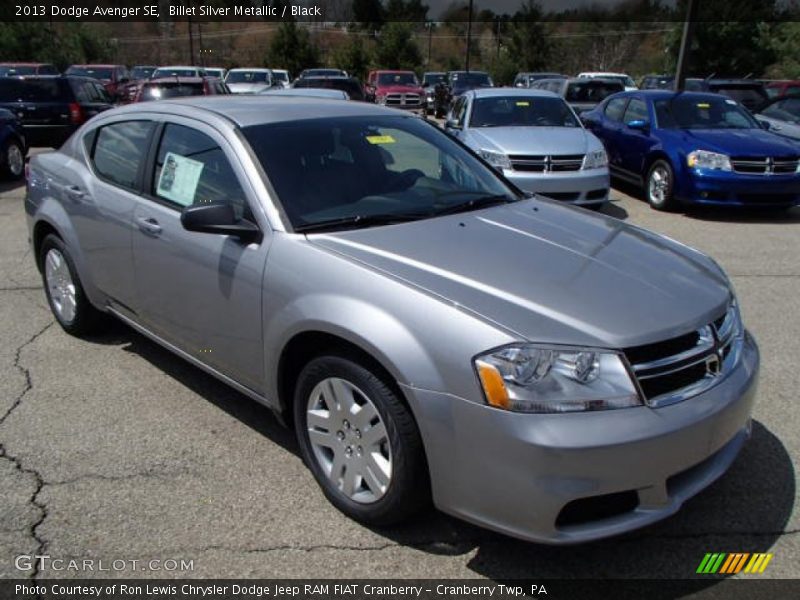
101 200
200 291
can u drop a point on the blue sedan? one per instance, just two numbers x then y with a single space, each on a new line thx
695 148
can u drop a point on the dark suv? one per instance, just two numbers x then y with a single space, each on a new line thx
51 108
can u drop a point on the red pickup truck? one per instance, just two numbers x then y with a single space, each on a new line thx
396 89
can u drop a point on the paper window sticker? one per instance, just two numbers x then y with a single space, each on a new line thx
179 178
523 103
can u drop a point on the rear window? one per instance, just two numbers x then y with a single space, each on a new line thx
103 74
592 91
160 91
749 96
247 77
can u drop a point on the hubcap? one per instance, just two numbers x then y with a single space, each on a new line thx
659 185
349 440
15 160
60 285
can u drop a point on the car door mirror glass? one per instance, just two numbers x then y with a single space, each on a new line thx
639 124
764 124
452 124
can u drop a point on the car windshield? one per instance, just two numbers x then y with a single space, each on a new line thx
16 71
397 79
516 111
624 80
160 91
103 74
353 171
280 75
322 73
142 72
686 112
434 78
471 79
174 73
591 91
247 77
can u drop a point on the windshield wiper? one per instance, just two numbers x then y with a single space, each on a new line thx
474 203
358 222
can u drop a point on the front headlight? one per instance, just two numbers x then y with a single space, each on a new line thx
496 159
596 159
551 379
703 159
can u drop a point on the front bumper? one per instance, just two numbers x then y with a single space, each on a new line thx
736 189
588 186
515 473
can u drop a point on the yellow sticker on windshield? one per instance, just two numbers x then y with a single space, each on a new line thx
703 105
380 139
523 103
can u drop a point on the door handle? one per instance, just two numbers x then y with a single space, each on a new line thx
149 225
75 193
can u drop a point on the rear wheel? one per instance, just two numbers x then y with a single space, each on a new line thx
65 295
659 186
13 159
360 441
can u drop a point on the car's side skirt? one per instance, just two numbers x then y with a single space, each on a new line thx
193 360
621 173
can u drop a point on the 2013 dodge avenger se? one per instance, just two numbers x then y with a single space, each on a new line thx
431 332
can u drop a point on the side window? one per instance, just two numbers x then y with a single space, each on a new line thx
119 151
636 111
615 108
460 111
192 169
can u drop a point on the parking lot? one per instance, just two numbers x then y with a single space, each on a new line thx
116 449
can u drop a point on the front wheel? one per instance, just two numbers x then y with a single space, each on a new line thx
360 441
659 186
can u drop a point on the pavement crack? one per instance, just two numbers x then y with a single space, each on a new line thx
21 288
113 478
34 500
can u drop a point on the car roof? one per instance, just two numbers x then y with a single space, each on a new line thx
178 80
255 110
501 92
667 94
179 67
240 69
96 65
24 64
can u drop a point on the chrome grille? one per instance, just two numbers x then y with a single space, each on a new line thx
546 163
764 165
679 368
403 99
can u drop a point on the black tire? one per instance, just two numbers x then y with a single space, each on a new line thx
13 160
660 174
408 490
86 319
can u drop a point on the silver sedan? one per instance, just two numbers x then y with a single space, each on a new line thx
429 332
535 139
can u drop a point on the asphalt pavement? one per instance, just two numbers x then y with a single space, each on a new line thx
114 449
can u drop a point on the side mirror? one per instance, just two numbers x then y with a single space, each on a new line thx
764 124
639 124
451 124
220 219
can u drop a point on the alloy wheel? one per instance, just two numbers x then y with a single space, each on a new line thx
659 185
60 285
15 160
349 440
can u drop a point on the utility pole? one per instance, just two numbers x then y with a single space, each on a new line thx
430 40
686 46
469 35
191 42
202 51
497 35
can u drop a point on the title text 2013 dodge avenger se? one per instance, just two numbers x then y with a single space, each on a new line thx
430 331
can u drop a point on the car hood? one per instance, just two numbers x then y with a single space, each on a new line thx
740 142
247 88
548 273
532 140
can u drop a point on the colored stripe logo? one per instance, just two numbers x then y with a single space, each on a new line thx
731 563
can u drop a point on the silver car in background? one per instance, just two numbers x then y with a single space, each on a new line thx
249 81
430 333
535 140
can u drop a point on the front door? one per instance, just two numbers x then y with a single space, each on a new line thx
200 291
